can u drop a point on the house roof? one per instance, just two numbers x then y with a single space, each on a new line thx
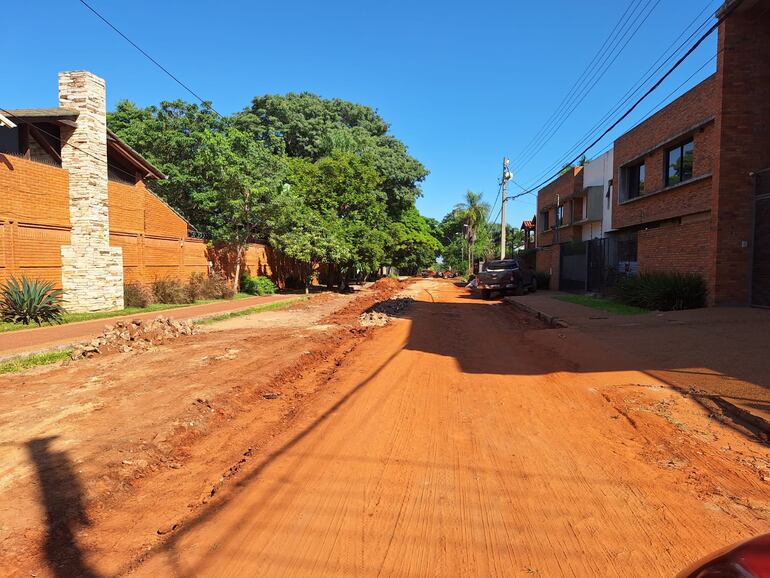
116 144
527 225
68 117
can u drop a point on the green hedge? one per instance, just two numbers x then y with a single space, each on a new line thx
257 285
662 291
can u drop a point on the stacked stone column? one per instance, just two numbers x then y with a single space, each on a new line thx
92 271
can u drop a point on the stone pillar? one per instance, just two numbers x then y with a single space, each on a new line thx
92 271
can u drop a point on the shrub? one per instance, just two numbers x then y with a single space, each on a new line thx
136 295
30 301
170 291
662 291
218 287
196 287
259 285
543 280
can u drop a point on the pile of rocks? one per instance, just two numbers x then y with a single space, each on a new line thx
134 335
381 313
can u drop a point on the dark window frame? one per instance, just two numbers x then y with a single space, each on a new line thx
635 177
559 215
545 218
683 175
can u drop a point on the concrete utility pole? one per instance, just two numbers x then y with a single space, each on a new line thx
507 176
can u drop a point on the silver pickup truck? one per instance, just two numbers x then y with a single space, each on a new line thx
507 275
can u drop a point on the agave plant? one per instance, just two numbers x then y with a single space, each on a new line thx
30 301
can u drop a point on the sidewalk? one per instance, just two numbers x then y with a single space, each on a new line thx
13 343
719 351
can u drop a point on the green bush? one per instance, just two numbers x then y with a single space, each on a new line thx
543 280
662 291
170 291
30 301
259 285
137 295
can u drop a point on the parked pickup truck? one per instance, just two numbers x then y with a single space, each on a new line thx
506 275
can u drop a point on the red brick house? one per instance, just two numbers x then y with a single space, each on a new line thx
693 190
556 212
690 186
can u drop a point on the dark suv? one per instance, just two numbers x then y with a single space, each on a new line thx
506 275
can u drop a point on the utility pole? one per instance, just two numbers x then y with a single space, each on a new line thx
507 176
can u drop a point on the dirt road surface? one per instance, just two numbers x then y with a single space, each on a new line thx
464 439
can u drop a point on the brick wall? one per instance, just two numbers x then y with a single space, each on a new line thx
35 224
654 249
548 261
562 189
691 115
261 259
743 126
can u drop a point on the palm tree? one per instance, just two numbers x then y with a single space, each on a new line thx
474 212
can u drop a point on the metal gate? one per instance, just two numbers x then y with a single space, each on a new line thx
760 254
583 265
573 266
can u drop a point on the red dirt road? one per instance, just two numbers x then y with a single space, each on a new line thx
467 440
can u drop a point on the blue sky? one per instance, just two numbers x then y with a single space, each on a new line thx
462 84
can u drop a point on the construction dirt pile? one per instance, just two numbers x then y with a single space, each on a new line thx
134 335
381 313
387 284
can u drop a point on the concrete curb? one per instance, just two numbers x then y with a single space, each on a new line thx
551 320
73 344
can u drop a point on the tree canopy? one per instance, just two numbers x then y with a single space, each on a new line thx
322 179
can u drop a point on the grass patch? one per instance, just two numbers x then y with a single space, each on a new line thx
22 363
75 317
249 310
602 304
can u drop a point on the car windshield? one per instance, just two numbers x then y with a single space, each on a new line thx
501 265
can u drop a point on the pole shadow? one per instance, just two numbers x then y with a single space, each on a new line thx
63 499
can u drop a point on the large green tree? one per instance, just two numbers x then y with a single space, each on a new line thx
308 126
322 179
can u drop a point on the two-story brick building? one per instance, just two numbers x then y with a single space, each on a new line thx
693 189
690 185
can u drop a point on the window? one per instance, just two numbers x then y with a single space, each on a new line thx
679 163
544 220
634 181
559 215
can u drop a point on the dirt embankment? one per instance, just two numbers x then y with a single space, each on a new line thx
103 455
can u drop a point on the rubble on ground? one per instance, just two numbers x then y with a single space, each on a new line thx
134 335
381 313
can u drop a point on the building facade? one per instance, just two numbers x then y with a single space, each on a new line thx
689 189
75 209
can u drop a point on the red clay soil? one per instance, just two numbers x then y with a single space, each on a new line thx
463 440
36 338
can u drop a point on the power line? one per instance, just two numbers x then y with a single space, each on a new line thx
205 103
575 86
595 79
649 91
661 61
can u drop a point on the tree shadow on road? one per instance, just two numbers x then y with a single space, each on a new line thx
63 499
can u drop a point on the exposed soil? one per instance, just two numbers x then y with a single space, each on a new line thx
464 438
117 448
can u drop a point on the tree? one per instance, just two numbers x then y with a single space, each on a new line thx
307 126
302 233
243 181
474 214
170 136
414 242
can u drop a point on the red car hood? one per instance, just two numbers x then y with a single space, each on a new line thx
749 559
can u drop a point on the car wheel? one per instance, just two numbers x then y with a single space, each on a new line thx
519 288
533 287
486 294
